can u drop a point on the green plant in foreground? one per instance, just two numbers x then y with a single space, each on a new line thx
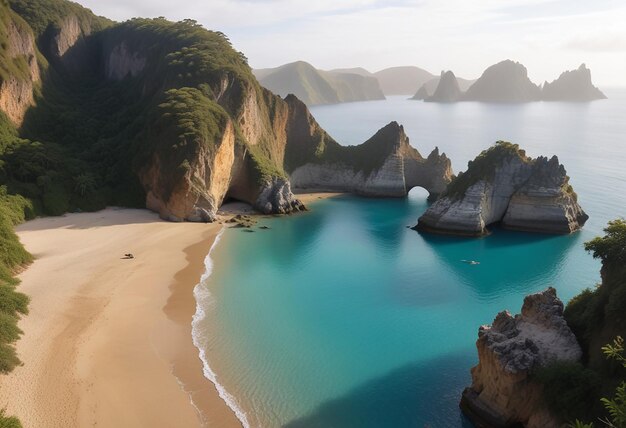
8 421
616 407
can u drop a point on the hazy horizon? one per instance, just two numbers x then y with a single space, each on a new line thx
547 36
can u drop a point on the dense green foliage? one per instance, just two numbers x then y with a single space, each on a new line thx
616 405
8 421
90 135
366 157
603 307
483 167
42 15
571 391
11 65
610 248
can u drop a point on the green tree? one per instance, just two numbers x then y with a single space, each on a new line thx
616 407
612 246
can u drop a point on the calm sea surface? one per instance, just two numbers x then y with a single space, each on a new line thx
343 317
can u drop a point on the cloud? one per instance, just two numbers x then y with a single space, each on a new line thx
547 36
611 42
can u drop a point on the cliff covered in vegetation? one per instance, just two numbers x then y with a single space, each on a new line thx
503 185
146 113
548 367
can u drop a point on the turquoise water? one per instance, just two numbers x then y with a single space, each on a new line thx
343 317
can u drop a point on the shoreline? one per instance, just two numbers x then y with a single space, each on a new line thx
108 341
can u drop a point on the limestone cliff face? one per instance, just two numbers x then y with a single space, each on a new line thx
385 166
123 62
503 185
16 90
448 89
199 192
503 392
572 85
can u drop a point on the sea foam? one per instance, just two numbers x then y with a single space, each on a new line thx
204 301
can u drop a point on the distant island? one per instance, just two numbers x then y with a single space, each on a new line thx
318 87
314 86
507 81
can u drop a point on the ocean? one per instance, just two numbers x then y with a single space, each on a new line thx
344 317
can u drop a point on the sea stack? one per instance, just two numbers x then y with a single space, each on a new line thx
422 93
448 89
504 185
386 165
506 81
503 391
574 85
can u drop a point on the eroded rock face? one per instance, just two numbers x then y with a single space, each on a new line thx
16 92
544 203
395 168
275 197
273 135
198 194
521 193
503 392
123 62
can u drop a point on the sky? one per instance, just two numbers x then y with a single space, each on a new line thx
465 36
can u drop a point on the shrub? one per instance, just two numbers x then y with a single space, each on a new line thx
569 389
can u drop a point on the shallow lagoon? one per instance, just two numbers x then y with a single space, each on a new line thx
344 317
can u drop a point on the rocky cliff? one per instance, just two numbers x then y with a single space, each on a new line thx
385 165
170 112
503 185
19 72
574 85
503 392
448 89
506 81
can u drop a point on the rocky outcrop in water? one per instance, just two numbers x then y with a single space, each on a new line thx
503 392
448 89
422 93
503 185
574 85
506 81
386 165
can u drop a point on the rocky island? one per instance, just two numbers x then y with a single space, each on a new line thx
315 87
386 165
503 185
574 85
506 81
448 89
503 391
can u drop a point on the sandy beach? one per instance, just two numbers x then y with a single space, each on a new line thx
108 341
